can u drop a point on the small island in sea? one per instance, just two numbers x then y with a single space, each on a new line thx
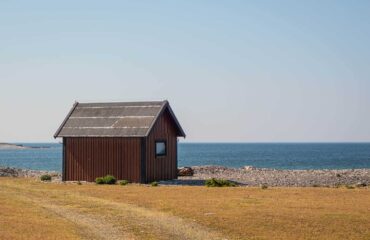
12 146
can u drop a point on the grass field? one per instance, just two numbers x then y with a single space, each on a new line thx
30 209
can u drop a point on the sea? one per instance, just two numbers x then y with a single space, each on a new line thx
48 156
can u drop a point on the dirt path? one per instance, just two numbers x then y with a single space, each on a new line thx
98 218
90 226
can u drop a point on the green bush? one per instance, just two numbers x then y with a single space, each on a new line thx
45 177
123 182
264 186
154 184
99 180
109 179
214 182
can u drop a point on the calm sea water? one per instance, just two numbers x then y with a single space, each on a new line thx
268 155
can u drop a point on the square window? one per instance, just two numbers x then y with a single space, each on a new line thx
160 148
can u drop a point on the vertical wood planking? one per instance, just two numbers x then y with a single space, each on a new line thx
89 158
162 168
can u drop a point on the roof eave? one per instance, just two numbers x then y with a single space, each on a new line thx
182 133
164 106
65 120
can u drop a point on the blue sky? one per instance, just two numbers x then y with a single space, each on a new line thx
239 71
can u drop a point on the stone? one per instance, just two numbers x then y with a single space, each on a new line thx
249 168
185 171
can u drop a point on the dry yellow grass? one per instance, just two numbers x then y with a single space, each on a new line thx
30 209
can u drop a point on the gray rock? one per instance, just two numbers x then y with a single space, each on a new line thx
249 168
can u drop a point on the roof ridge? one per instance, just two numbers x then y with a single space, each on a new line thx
115 102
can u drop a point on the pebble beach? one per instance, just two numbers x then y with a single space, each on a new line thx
251 176
247 176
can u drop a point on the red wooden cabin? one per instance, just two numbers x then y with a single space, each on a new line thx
135 141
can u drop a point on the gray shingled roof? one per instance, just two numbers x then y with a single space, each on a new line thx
125 119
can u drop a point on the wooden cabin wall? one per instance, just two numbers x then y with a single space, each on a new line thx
163 167
88 158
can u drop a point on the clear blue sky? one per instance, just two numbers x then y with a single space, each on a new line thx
249 71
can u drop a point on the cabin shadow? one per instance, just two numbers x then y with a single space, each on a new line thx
183 182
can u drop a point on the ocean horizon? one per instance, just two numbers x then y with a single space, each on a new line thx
286 155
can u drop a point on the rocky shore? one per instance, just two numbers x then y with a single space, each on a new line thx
26 173
252 176
247 176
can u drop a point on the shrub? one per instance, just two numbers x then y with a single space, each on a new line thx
45 177
315 185
154 184
338 175
214 182
99 180
264 186
349 186
123 182
79 183
109 179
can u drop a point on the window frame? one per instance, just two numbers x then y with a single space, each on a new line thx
165 148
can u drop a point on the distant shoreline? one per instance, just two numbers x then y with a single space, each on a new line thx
11 146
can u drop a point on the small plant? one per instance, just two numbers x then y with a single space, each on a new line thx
338 175
123 182
45 177
79 183
99 180
349 186
264 186
154 184
214 182
109 179
315 185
